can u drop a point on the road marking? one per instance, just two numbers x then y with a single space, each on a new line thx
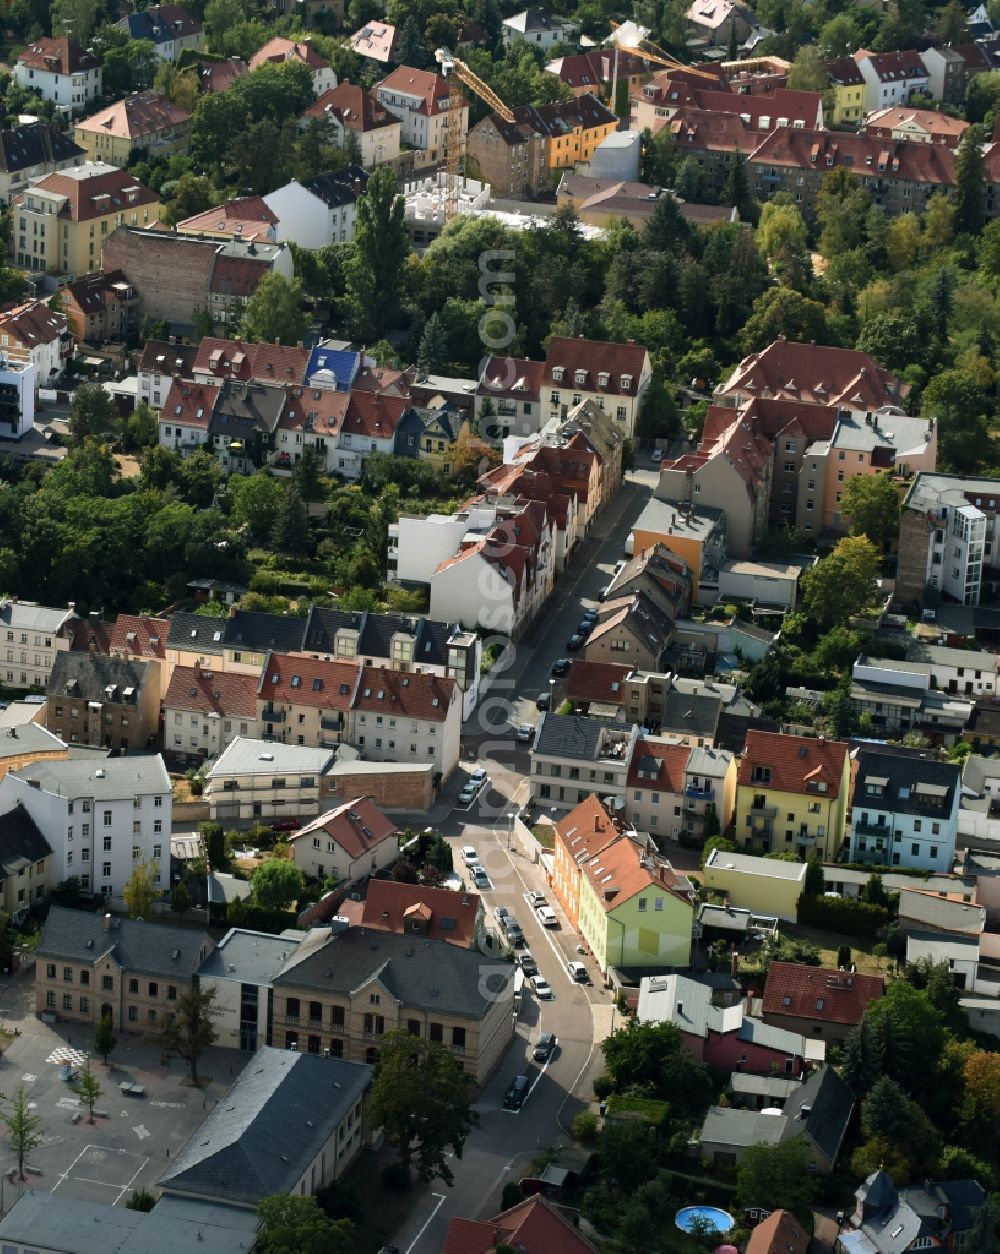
66 1173
68 1103
64 1054
168 1105
28 1078
142 1167
141 1131
427 1223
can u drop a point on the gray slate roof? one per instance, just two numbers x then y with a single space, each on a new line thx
92 673
572 736
20 840
897 775
430 637
17 739
258 632
138 775
426 973
249 957
268 1128
696 714
245 755
776 1086
36 143
81 936
28 616
196 633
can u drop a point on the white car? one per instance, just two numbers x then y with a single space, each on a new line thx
469 855
468 794
543 990
536 900
478 777
547 916
525 732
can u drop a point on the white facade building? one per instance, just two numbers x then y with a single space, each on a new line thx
30 637
254 779
101 817
421 101
420 545
17 398
61 72
905 812
318 212
240 970
538 28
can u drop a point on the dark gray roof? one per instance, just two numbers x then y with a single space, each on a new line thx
697 714
20 840
426 973
36 143
161 23
244 408
264 1133
81 936
572 736
829 1103
87 676
430 637
338 188
260 632
893 1219
930 786
196 633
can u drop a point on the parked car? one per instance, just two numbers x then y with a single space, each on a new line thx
478 777
578 972
575 642
528 965
545 1047
657 455
286 825
515 937
543 700
469 855
480 878
542 988
560 667
586 627
536 900
468 794
525 732
502 914
547 916
590 616
519 1089
604 593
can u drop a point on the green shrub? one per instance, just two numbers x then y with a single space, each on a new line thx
840 914
603 1087
584 1127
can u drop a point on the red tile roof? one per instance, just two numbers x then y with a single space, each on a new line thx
795 990
703 130
893 66
267 363
515 378
237 276
138 635
671 763
296 679
135 117
595 357
419 696
374 414
588 828
596 681
446 916
779 1233
90 294
189 404
803 107
817 374
432 89
245 217
57 56
209 692
798 764
355 107
748 452
356 826
927 165
216 76
595 68
277 50
533 1226
942 127
322 408
95 196
844 72
623 869
33 323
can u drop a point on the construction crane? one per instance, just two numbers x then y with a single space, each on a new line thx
632 38
462 73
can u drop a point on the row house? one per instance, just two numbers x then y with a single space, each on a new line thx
204 710
218 359
29 151
951 68
715 141
346 844
31 637
103 701
597 69
160 363
102 308
306 701
320 210
899 697
633 629
509 396
185 415
34 332
572 757
422 102
100 817
247 217
674 789
847 88
904 811
142 638
614 376
60 71
242 424
891 78
508 486
27 864
654 103
925 126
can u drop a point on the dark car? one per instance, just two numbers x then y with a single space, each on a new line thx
515 937
286 825
545 1047
543 700
586 627
560 667
528 965
515 1096
575 642
590 616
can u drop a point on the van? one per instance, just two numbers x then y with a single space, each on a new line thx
515 1096
630 544
547 916
578 972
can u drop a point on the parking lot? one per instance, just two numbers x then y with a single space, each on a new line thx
131 1139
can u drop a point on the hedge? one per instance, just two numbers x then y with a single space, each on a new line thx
840 914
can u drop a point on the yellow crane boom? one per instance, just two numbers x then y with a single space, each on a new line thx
649 51
462 73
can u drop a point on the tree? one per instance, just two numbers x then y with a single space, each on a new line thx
781 230
411 45
970 188
982 1084
776 1175
91 414
432 355
653 1055
874 893
88 1090
276 884
23 1128
306 474
902 241
104 1038
871 504
296 1225
843 583
142 889
290 533
141 1199
982 96
658 416
215 845
191 1031
420 1098
862 1059
255 501
807 72
274 312
375 270
814 884
736 191
984 1235
911 1034
961 407
782 311
180 898
839 37
884 1110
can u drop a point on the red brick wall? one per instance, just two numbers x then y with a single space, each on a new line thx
170 273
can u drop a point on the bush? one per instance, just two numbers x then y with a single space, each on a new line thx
396 1177
511 1195
839 914
603 1087
584 1127
141 1199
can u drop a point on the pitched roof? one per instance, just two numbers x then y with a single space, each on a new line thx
260 631
57 56
515 377
277 50
237 276
299 680
893 66
138 633
33 323
941 126
135 944
337 188
551 121
588 828
432 89
161 23
94 292
702 129
594 358
658 765
164 357
374 415
905 785
534 1226
355 108
189 404
93 190
209 693
261 1136
88 676
819 993
797 764
844 72
420 696
247 216
375 633
244 408
911 161
356 826
136 117
216 76
195 633
267 363
320 410
625 867
36 143
596 681
595 67
21 842
444 914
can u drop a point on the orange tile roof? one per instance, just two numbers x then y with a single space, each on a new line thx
296 679
322 408
95 196
135 117
450 916
356 826
702 129
246 217
794 989
374 414
797 763
817 374
433 89
148 635
588 828
929 165
619 872
420 696
277 50
267 363
209 692
779 1233
189 404
355 107
216 76
514 377
237 276
596 681
940 125
670 762
534 1226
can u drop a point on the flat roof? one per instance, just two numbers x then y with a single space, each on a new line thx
747 864
668 518
249 957
243 756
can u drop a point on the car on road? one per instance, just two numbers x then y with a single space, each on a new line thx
528 965
578 972
468 794
469 855
519 1089
575 642
560 667
478 777
543 701
525 732
604 593
502 914
480 878
286 825
545 1047
586 627
543 990
515 937
657 455
537 899
547 916
590 616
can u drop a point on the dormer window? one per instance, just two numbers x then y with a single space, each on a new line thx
579 377
557 373
625 382
603 379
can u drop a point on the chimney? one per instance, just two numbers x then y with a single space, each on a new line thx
734 962
748 1009
197 665
107 923
357 187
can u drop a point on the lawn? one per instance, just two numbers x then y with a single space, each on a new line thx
545 834
829 942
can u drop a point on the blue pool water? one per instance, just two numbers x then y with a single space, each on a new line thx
720 1219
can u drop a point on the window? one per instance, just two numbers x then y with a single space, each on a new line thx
107 983
68 975
642 905
107 818
84 977
67 1001
107 844
84 1005
458 1038
171 992
133 986
133 1014
50 970
153 989
50 999
435 1032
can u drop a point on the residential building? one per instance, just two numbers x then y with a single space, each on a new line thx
614 376
593 70
103 701
33 332
924 912
398 716
696 534
90 966
195 638
904 811
61 222
818 1113
216 76
344 988
17 401
26 863
142 638
847 86
572 757
891 78
660 574
539 28
203 711
185 417
513 387
101 308
141 121
219 359
812 375
31 150
588 828
249 636
952 67
673 788
319 211
948 534
30 637
375 41
898 697
923 125
347 843
254 779
301 1125
532 1225
655 102
248 217
779 1233
817 1001
926 1216
792 794
22 743
631 628
305 701
171 29
422 100
242 424
715 20
350 109
159 364
436 914
61 71
765 886
277 50
972 672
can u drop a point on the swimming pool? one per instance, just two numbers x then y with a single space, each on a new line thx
719 1219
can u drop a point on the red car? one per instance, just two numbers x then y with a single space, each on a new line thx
286 825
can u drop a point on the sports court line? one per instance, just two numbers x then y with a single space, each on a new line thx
142 1167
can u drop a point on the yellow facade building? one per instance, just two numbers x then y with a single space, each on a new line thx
847 91
768 886
143 121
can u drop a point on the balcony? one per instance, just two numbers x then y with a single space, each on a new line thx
861 828
293 1019
699 794
759 811
269 715
873 857
332 722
